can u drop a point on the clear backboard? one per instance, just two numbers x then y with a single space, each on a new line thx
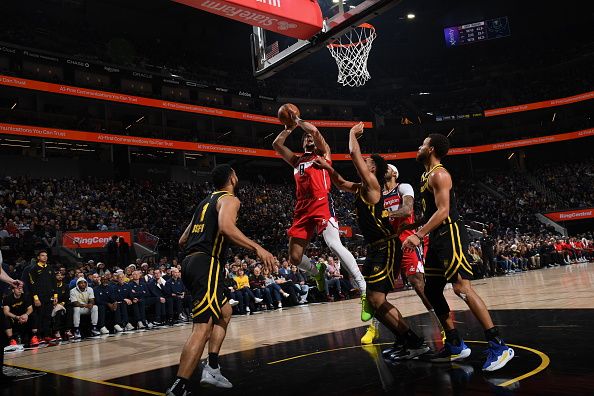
273 52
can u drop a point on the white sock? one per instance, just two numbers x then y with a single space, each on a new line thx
332 238
307 266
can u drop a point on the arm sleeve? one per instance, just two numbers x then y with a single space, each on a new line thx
406 189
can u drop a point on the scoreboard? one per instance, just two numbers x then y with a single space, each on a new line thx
476 31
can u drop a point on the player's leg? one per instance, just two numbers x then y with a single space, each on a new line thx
331 236
211 374
418 283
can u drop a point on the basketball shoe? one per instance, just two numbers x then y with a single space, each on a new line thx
451 353
213 377
366 310
320 278
370 335
497 356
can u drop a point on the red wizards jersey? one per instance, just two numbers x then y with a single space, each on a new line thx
311 182
394 199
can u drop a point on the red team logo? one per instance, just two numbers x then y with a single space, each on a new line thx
412 262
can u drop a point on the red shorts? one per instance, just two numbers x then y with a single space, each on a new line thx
412 262
310 216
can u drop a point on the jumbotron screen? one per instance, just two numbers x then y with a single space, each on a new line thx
476 31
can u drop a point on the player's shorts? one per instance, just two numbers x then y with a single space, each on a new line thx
310 216
382 265
446 256
412 262
203 276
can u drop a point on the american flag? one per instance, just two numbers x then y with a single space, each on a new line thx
271 50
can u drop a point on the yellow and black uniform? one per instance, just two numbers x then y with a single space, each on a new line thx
446 256
18 306
382 261
202 271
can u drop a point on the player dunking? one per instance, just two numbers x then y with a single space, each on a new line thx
399 201
446 257
313 210
383 246
205 242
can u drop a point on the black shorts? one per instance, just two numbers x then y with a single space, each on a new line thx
382 266
203 275
448 255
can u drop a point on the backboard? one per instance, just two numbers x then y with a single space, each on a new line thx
273 52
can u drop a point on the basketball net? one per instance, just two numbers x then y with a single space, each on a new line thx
351 52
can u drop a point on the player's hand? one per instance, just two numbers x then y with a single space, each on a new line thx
15 284
411 242
321 163
358 129
266 257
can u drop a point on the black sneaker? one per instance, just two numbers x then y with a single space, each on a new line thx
394 348
410 351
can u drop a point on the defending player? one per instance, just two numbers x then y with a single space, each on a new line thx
446 257
383 246
313 210
205 242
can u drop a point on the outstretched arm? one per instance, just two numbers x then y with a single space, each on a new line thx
336 178
279 146
319 140
228 207
373 189
406 209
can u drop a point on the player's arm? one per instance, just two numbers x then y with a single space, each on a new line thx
184 237
319 140
279 146
4 277
340 182
371 188
441 184
228 208
406 209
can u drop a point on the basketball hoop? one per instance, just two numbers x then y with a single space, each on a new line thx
351 52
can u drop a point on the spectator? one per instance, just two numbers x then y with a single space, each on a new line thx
83 303
105 303
258 285
138 295
121 295
176 293
112 251
123 252
157 294
275 290
299 281
242 283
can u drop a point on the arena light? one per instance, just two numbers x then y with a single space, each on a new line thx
511 155
13 106
452 131
410 16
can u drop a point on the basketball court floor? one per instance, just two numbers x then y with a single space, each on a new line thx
546 315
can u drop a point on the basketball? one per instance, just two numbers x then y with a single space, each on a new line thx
284 115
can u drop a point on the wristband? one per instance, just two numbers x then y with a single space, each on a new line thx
417 235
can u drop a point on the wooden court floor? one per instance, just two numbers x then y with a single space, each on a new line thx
547 314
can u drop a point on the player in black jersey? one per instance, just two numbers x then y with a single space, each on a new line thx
382 260
4 277
446 259
205 243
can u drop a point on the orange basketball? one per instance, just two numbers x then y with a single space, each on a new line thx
284 116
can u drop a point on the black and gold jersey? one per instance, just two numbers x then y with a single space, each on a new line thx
373 219
428 205
204 230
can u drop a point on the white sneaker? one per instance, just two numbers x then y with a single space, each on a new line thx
233 302
129 327
258 300
104 330
213 377
150 325
279 305
285 294
118 328
140 325
247 309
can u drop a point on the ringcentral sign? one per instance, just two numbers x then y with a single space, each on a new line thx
92 239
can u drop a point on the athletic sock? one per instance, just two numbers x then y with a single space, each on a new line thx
213 360
492 334
179 386
308 266
412 338
453 337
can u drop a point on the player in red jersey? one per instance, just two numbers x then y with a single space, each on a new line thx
314 212
399 201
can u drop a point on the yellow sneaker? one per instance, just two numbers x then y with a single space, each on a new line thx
366 310
320 278
371 335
